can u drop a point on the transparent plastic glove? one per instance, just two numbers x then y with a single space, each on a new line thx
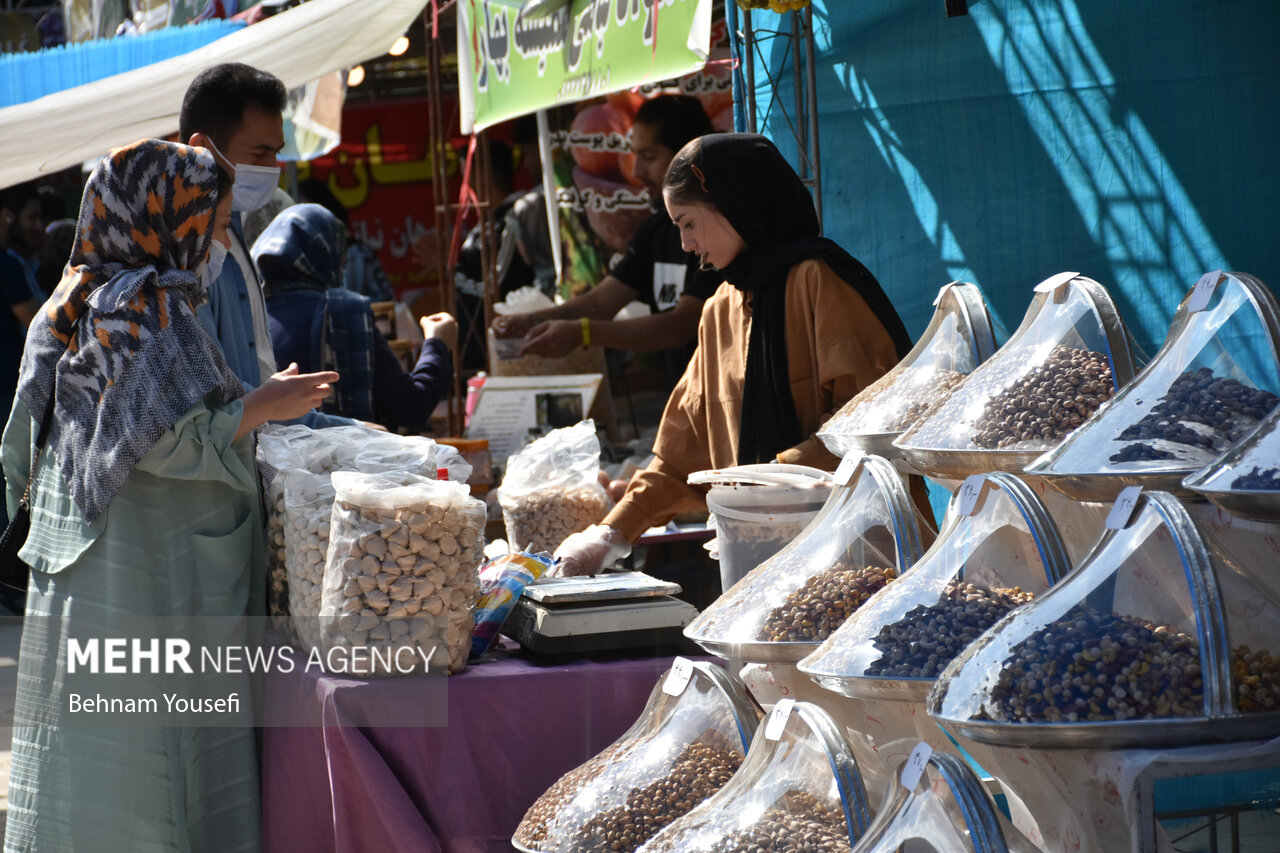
589 551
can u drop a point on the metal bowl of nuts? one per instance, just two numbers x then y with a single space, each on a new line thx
1212 383
800 782
686 745
865 536
1131 650
997 549
959 338
1070 354
1245 481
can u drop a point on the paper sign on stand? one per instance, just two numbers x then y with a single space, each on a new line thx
509 407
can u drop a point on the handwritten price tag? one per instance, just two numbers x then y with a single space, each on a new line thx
1053 282
678 678
969 492
778 719
1122 509
1203 291
914 768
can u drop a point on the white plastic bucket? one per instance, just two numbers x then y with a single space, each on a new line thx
759 509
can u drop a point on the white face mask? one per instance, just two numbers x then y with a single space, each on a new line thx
212 268
254 185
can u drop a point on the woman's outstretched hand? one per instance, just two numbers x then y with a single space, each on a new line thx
288 394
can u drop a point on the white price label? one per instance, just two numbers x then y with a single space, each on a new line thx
1122 509
778 719
943 290
1053 282
1203 291
678 677
914 768
848 467
969 492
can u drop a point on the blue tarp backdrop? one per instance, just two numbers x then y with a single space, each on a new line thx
1132 141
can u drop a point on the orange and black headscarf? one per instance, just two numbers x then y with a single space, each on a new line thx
139 358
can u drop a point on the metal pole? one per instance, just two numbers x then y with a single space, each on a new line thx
437 142
811 80
749 69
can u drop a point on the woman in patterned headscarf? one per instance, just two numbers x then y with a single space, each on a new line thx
145 519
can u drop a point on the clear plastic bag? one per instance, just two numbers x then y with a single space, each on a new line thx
866 534
799 781
308 504
552 489
959 338
997 549
1070 355
286 448
1212 383
689 741
400 574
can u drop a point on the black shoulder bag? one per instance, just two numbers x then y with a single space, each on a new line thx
14 573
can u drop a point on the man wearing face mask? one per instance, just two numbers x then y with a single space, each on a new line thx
235 110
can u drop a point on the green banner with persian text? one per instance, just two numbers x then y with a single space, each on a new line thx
511 64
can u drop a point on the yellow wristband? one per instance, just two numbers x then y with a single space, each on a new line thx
585 322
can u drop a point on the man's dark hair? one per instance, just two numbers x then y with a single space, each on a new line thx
677 119
216 100
16 197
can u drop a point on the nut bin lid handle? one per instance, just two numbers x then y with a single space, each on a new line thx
745 715
1206 598
1044 531
853 794
973 307
975 807
906 529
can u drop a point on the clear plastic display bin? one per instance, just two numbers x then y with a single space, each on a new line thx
958 338
799 781
998 549
1245 481
688 742
867 534
940 806
1069 356
1212 383
1133 649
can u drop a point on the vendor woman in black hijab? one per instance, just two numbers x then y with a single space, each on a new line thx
796 329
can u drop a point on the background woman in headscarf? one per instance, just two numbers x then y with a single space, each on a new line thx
321 325
797 328
146 515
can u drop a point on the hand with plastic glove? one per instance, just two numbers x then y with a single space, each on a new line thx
590 551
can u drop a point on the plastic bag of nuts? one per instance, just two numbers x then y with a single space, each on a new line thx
285 449
308 502
552 489
400 574
683 748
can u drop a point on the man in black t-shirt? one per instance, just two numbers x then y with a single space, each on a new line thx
654 268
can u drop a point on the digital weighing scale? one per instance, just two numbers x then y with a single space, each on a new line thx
614 610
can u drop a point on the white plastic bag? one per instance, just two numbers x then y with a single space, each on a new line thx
552 489
400 575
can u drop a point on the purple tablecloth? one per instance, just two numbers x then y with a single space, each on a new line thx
514 728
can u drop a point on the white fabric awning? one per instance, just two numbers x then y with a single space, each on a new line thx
69 127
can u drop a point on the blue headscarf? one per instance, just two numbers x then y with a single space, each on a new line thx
304 249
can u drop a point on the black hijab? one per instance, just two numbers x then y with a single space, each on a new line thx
761 196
